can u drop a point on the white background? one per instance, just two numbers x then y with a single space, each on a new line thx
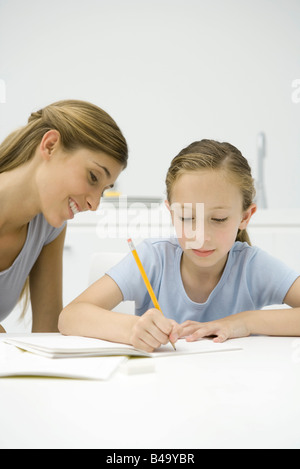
169 72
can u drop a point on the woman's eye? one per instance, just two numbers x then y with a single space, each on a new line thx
94 178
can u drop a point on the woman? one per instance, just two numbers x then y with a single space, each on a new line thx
58 165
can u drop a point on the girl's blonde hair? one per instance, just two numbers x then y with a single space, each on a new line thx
209 154
80 125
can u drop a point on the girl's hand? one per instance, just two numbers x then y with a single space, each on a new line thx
152 330
227 328
2 329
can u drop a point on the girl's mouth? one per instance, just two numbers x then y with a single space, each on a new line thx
203 253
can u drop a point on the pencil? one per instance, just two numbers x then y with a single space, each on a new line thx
145 278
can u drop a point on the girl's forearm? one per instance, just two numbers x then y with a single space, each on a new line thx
89 320
275 322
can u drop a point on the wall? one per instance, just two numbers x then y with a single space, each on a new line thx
169 71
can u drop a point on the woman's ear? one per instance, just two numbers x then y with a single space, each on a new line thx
247 216
49 143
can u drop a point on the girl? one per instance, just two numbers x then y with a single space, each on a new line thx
54 167
210 271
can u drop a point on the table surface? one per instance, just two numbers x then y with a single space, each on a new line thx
247 398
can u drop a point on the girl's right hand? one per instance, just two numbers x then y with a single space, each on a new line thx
152 329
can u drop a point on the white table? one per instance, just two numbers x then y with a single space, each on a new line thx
240 399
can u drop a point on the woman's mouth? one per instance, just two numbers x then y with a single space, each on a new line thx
74 209
203 252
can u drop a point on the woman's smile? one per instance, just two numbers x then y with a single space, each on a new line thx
73 207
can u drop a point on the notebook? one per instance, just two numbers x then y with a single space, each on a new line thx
60 346
16 362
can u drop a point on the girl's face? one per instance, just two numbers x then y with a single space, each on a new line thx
207 212
69 183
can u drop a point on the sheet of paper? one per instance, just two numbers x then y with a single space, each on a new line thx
200 346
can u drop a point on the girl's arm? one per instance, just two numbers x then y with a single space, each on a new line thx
2 329
277 322
46 286
90 315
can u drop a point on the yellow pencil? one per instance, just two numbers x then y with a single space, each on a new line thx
145 278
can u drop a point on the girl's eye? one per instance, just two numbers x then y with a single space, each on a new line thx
94 178
219 220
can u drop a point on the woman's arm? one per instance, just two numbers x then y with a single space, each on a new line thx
273 322
46 286
90 315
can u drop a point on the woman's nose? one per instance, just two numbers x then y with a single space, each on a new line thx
93 202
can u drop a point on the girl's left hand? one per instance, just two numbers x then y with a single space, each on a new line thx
227 328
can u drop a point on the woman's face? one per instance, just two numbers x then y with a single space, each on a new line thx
73 182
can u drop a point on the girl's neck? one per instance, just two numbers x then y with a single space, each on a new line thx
200 282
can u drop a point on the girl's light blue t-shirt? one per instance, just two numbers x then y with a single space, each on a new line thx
12 280
251 280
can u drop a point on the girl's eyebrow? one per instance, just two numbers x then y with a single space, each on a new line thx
104 168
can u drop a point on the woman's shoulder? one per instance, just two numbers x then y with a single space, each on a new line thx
41 229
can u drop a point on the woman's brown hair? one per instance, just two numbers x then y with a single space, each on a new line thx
80 125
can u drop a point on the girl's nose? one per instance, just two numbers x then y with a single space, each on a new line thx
207 233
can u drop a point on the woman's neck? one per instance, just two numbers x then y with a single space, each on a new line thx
19 199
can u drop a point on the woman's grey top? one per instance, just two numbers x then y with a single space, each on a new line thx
12 280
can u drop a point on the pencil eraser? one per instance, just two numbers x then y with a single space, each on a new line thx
135 366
